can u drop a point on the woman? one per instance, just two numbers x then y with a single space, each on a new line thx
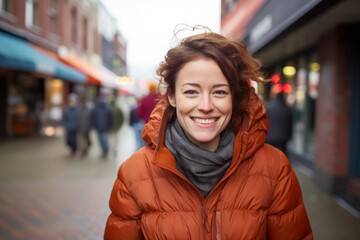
206 172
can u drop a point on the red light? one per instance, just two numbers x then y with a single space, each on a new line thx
277 88
275 78
287 88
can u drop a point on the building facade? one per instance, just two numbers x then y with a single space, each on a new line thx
48 49
312 46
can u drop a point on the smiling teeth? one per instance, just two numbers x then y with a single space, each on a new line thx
204 121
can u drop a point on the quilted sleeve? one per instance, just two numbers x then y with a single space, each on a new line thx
287 217
124 220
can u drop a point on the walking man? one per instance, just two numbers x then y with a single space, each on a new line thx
102 118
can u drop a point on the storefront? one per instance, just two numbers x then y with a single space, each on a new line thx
28 79
312 45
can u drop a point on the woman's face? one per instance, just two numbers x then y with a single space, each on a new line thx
203 102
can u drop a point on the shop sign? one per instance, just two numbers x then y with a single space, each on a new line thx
260 29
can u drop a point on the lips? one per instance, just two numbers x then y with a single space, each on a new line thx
204 120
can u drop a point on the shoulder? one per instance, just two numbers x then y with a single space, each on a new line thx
137 167
272 162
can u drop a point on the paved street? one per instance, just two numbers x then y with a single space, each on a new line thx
45 194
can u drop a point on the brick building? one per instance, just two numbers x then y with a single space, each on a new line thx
48 49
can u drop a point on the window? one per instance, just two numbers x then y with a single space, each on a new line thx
230 4
85 33
74 25
6 5
53 17
32 13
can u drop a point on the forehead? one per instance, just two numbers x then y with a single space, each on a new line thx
201 71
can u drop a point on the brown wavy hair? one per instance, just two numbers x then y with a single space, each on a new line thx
235 62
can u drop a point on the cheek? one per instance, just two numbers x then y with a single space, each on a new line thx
184 105
225 106
182 108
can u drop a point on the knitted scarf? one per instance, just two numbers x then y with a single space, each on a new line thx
202 167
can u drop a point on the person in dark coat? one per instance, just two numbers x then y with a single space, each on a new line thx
83 122
69 123
102 119
280 118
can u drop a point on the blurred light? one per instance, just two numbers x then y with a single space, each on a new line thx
289 71
277 88
49 131
286 88
125 80
123 91
315 66
275 78
56 83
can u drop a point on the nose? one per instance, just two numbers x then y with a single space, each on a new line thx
205 104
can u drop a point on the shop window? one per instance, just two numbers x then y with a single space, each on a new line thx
305 95
25 99
314 76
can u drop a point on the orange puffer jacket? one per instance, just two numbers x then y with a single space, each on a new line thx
259 196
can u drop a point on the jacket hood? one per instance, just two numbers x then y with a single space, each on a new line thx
253 131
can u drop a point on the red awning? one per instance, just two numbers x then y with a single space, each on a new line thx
98 75
88 69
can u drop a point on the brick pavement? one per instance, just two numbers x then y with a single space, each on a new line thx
54 210
44 194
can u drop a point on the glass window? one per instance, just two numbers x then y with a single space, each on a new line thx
85 33
74 25
230 4
53 17
32 13
311 97
6 5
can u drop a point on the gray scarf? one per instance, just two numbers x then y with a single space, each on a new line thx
202 167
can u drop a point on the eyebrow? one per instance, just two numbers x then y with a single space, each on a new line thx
198 85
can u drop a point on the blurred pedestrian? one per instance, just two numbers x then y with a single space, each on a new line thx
206 172
147 103
137 124
102 120
280 118
83 119
118 116
69 123
142 112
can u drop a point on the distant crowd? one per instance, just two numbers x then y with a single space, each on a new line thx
79 118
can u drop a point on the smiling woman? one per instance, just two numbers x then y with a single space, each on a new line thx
206 169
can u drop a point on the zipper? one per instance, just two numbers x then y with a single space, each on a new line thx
205 226
218 225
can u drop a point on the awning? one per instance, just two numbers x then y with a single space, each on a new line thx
98 75
110 79
18 54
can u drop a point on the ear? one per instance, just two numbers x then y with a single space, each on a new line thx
171 99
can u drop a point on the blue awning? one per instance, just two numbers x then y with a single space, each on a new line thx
18 54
